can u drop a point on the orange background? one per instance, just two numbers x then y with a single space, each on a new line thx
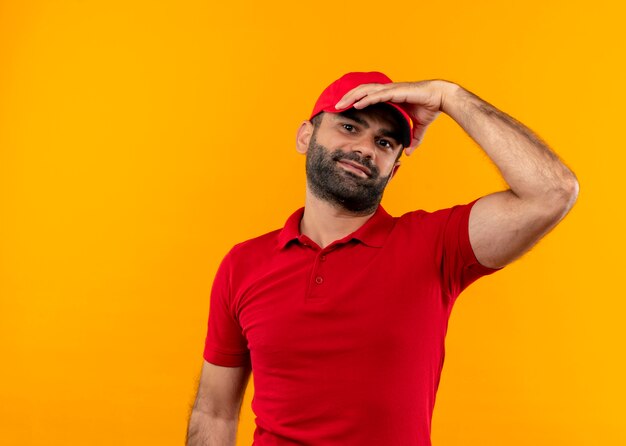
140 140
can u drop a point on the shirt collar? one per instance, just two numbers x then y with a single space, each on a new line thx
372 233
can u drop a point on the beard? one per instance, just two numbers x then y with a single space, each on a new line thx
344 189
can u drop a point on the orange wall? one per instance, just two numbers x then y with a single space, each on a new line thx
140 140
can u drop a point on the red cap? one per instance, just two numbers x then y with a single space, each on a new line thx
335 91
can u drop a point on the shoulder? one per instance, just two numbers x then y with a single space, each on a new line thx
256 246
430 228
436 218
246 257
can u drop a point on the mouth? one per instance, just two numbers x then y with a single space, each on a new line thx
354 167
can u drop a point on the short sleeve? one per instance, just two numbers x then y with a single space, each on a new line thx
459 264
225 344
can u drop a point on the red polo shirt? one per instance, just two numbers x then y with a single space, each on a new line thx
346 343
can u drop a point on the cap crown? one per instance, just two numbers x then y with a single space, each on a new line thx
337 90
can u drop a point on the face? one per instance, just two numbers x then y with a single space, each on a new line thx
351 156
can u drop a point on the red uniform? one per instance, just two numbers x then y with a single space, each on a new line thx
346 343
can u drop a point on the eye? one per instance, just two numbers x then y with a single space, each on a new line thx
348 127
385 143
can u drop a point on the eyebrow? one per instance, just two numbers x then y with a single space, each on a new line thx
355 118
348 114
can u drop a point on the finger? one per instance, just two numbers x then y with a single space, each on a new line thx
418 133
357 93
390 94
416 141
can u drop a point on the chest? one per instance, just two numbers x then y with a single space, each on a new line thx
341 305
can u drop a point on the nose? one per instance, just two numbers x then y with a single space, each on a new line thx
365 146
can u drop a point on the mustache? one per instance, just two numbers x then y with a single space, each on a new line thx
338 155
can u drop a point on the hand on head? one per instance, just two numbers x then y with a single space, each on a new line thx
422 101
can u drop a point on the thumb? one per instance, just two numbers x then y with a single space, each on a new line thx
421 122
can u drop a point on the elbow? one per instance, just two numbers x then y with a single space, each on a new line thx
569 192
558 202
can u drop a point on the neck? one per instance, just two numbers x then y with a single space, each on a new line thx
324 222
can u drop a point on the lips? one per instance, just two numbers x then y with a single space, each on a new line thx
356 166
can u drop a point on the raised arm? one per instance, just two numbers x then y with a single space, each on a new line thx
505 224
215 414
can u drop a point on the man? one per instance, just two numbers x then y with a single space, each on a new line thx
342 314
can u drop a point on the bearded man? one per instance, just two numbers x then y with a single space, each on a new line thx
341 315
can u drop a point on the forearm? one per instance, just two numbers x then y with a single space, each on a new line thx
207 430
526 163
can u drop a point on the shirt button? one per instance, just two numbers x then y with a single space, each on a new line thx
319 280
322 258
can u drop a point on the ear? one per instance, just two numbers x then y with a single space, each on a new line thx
304 137
395 168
